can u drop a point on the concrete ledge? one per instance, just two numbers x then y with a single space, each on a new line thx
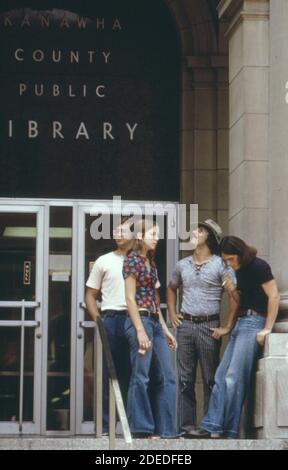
90 443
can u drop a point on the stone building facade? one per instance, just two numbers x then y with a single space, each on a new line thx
248 183
233 155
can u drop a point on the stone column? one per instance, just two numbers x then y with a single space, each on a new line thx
248 121
278 151
210 136
271 414
259 174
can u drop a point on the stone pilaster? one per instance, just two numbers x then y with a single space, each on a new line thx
258 69
248 32
209 81
278 151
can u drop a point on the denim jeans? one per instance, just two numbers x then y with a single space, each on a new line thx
153 412
233 378
114 322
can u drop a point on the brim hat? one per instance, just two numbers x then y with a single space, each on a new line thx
213 227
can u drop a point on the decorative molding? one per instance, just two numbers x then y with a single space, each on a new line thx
227 8
204 62
236 11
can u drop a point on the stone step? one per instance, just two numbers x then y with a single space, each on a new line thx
90 443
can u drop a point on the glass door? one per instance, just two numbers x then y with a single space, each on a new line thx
89 247
21 288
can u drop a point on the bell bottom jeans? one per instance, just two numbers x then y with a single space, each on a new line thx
233 378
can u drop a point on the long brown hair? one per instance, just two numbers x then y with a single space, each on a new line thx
142 226
235 246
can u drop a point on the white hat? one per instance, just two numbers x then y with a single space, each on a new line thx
213 227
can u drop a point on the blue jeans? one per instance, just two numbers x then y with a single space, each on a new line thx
233 378
155 413
114 322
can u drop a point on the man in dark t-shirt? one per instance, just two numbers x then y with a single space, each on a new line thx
250 279
258 301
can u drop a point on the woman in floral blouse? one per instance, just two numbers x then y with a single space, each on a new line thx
149 342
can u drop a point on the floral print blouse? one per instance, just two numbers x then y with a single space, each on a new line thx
146 280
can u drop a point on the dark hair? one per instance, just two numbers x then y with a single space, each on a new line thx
235 246
211 241
142 226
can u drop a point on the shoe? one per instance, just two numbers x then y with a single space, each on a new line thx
174 436
216 435
197 434
141 435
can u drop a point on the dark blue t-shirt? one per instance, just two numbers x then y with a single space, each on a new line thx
249 283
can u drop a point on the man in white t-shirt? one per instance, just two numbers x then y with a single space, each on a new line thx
106 276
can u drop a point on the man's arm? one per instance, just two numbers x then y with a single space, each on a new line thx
171 304
233 308
229 284
232 315
231 289
271 290
91 305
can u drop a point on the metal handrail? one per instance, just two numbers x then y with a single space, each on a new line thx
21 392
115 396
27 323
18 304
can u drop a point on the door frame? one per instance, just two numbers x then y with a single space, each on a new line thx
33 427
80 208
78 265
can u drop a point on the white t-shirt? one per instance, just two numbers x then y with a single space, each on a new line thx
106 275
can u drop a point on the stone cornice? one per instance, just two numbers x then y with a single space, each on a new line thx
228 8
235 11
205 62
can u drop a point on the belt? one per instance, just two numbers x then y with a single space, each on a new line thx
114 312
249 312
146 313
200 318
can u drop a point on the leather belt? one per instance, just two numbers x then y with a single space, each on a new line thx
113 313
249 312
146 313
199 318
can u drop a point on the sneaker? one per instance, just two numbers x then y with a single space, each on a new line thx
141 435
215 435
174 436
197 434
